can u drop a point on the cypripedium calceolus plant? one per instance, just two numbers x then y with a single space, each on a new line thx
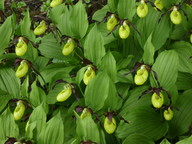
19 110
157 100
41 28
74 71
68 47
110 125
159 4
65 93
86 112
141 76
142 9
21 47
124 30
175 16
112 22
168 114
22 69
55 3
88 75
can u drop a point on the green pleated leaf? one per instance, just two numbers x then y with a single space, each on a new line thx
165 141
149 50
78 20
167 4
87 129
30 130
50 48
126 9
142 117
6 30
166 67
54 132
38 116
1 5
184 81
133 101
41 62
94 46
161 32
185 141
4 99
143 120
178 31
97 91
112 5
25 87
63 22
146 25
37 95
124 62
25 27
184 50
8 126
56 12
100 14
54 70
182 119
9 82
68 121
52 95
31 54
123 89
80 74
107 38
125 78
108 63
113 101
137 139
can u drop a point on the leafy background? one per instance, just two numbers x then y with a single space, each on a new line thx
162 45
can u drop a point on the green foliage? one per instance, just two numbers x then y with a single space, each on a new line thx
8 126
101 70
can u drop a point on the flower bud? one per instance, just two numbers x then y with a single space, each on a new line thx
86 112
88 75
19 110
142 9
21 47
22 69
168 114
41 28
175 16
109 126
55 3
124 30
159 4
65 93
68 47
141 75
111 23
157 100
